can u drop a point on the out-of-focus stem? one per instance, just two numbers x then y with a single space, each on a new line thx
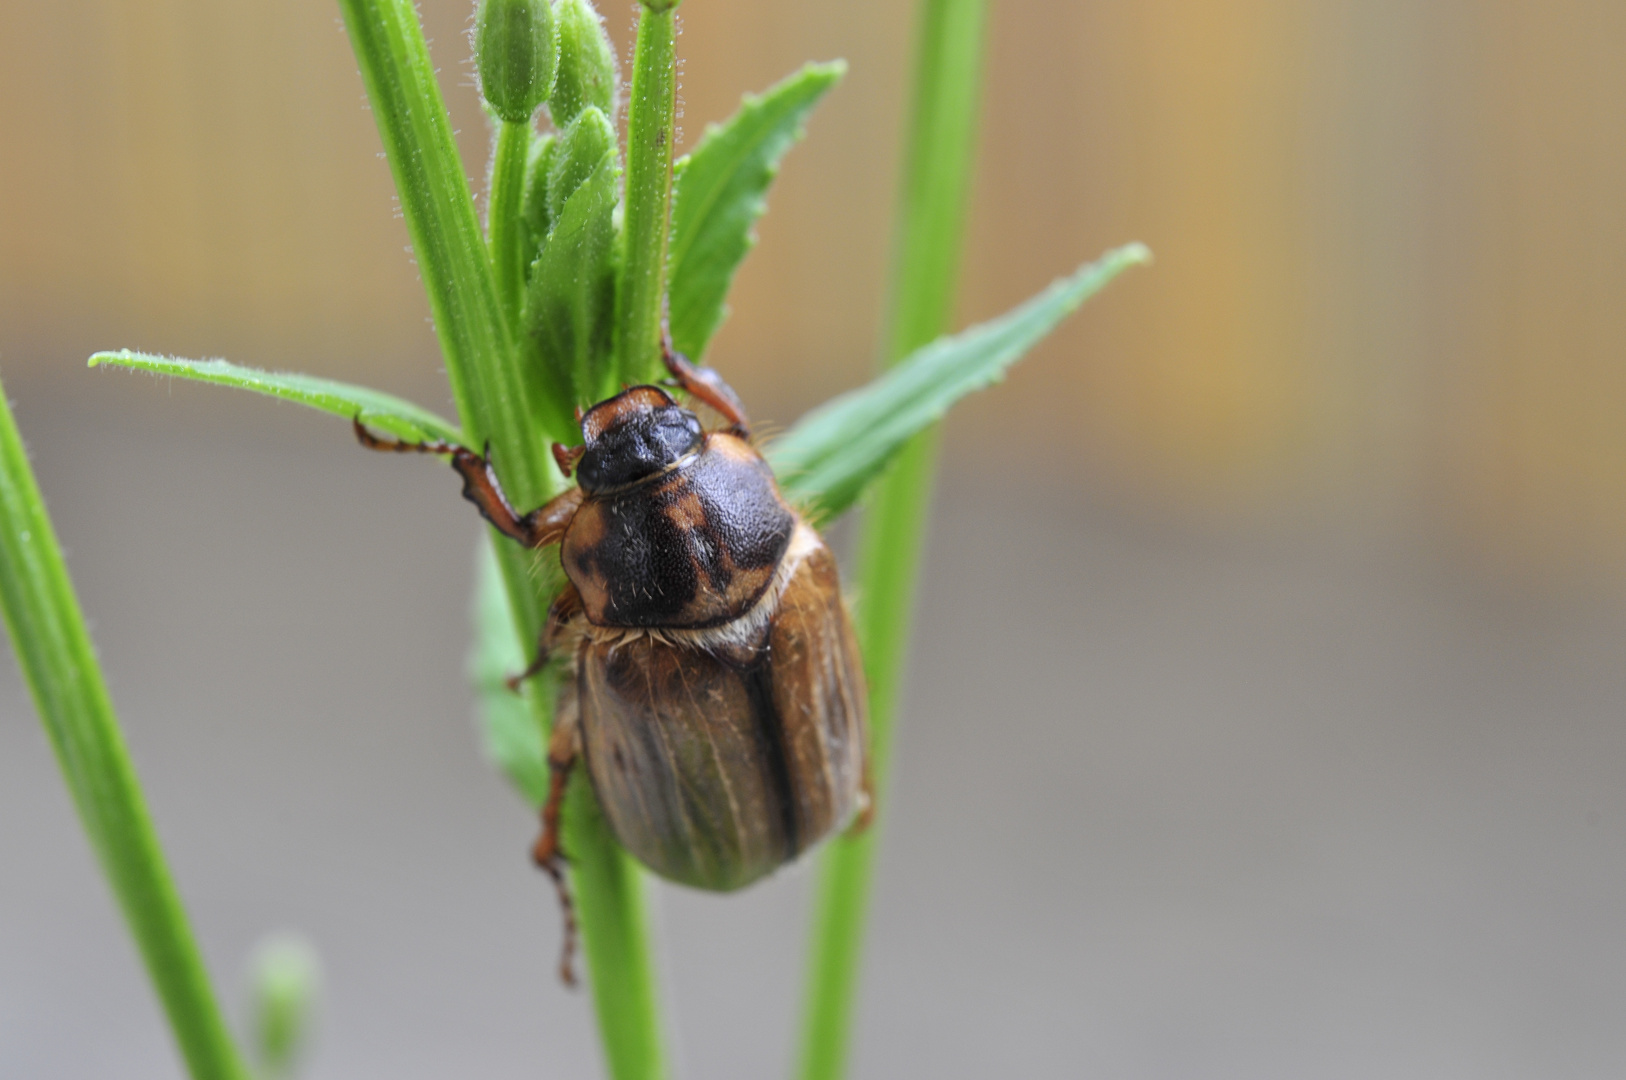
59 663
935 192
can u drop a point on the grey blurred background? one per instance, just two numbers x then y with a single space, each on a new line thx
1266 709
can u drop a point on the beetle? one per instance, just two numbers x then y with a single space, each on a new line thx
715 693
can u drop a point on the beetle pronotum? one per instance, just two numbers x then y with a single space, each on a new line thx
716 695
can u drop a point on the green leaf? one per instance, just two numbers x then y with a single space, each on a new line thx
376 409
582 147
58 661
514 741
534 207
571 299
720 192
832 452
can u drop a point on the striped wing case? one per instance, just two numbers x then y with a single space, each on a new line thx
713 773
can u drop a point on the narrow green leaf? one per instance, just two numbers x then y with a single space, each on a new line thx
571 302
720 192
583 146
58 662
514 741
534 208
386 412
833 452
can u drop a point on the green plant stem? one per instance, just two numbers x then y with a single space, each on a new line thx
503 224
495 399
651 116
499 398
934 195
612 901
58 661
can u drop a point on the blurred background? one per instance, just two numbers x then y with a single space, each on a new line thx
1266 710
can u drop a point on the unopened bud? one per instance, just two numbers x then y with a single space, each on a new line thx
585 143
587 73
517 54
284 977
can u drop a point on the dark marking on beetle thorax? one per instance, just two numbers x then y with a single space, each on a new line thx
693 547
646 558
770 726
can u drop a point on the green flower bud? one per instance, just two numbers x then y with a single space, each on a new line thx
516 54
284 977
585 143
587 73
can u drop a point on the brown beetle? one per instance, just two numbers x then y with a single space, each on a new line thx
716 695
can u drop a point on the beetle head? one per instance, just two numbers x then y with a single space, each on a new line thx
638 433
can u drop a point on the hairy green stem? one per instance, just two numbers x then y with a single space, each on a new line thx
651 116
931 224
495 399
59 663
504 227
613 902
499 397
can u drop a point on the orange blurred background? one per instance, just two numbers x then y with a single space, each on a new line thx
1389 236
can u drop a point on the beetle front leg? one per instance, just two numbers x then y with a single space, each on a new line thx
542 526
707 385
564 749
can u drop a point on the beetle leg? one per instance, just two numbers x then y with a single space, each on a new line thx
542 526
707 385
565 607
563 750
567 456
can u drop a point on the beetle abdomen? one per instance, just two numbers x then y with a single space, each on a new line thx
694 546
714 773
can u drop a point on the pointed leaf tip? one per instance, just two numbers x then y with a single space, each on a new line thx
829 456
720 190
